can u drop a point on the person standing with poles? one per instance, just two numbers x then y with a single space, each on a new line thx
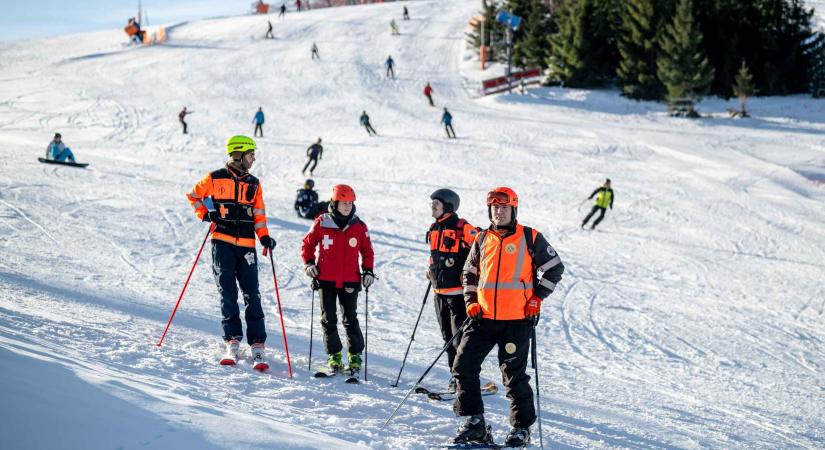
182 118
428 92
314 153
447 120
449 238
315 54
239 216
339 237
604 199
259 122
503 295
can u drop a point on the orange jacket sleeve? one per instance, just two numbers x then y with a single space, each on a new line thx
259 213
469 234
201 191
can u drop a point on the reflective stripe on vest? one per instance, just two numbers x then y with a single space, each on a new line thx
506 275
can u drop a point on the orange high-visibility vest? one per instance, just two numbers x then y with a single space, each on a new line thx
505 279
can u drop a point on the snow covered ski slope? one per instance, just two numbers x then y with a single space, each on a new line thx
692 318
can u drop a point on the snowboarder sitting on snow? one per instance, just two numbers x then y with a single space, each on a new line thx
239 216
503 295
339 237
450 238
306 202
604 199
58 151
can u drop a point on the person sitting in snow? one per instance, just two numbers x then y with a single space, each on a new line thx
306 202
57 150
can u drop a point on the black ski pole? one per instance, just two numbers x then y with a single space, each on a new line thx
458 333
412 338
538 393
311 326
366 330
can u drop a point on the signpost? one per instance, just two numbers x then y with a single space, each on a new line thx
512 22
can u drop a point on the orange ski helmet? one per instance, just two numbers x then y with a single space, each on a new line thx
342 193
502 195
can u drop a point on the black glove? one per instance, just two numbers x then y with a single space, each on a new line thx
367 278
315 284
268 242
211 216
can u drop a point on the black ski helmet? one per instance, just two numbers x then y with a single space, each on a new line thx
448 197
309 184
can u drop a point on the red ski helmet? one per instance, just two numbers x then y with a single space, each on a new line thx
342 193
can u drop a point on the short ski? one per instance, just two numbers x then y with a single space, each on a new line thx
325 374
353 377
470 446
489 388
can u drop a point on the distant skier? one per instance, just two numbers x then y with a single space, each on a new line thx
238 217
315 54
406 13
298 5
604 200
314 153
390 63
339 237
450 238
57 150
428 92
182 118
394 28
447 120
282 12
365 121
269 34
503 294
307 205
259 122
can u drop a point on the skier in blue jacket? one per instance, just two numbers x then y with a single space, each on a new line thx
447 120
259 121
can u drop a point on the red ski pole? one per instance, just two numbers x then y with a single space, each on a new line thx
280 314
211 229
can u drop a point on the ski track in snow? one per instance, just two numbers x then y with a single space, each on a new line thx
692 317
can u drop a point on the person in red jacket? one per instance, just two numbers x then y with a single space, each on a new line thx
428 92
339 237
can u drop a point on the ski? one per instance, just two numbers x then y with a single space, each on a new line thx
489 388
353 377
470 446
325 374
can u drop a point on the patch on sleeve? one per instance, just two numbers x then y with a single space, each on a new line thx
250 258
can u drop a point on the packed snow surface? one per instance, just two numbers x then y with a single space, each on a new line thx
692 317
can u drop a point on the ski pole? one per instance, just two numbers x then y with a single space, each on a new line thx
169 323
311 324
366 330
280 313
538 394
412 338
458 333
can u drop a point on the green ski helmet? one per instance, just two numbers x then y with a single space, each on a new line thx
241 144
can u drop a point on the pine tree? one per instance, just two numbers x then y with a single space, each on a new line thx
743 87
816 72
571 58
637 49
493 31
682 66
531 49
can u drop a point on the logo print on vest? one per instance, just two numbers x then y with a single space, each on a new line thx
250 258
450 262
510 248
353 242
510 348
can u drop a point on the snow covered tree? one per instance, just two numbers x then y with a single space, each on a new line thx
637 48
743 88
682 66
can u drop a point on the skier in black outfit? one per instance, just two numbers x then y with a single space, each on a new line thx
450 238
604 200
269 31
314 153
315 54
406 14
306 202
365 121
283 10
447 120
390 63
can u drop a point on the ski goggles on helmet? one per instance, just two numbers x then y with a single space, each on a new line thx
498 198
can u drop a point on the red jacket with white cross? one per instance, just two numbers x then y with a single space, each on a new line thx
338 250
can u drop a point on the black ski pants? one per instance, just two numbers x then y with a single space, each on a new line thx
513 340
313 161
184 126
390 72
348 299
259 127
449 128
232 266
370 129
430 98
593 211
451 313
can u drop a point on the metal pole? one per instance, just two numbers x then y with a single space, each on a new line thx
280 313
412 338
366 330
311 325
538 393
509 59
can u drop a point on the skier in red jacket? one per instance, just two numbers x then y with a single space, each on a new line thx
340 236
428 92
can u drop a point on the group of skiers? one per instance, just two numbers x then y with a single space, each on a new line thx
488 283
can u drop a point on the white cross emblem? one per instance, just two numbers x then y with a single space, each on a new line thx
327 242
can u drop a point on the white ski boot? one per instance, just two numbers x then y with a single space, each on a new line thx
230 358
258 362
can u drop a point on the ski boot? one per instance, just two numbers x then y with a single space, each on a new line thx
452 386
258 362
354 361
474 431
518 437
233 347
334 362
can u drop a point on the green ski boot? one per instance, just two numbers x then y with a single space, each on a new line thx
334 362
